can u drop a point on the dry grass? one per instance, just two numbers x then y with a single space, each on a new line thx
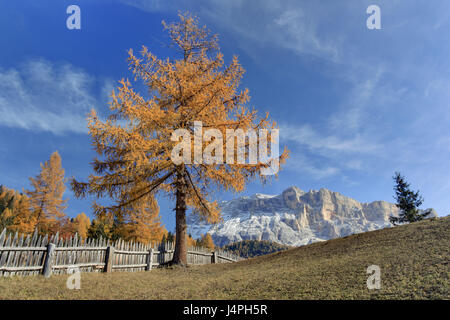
413 261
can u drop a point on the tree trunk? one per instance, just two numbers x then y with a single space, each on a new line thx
180 254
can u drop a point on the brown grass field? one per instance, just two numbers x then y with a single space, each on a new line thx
414 262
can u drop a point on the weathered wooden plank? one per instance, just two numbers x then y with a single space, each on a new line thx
2 237
69 257
79 248
226 258
149 261
27 254
80 265
24 268
23 249
131 252
47 270
34 238
197 253
130 266
39 256
127 257
18 257
59 256
109 259
5 256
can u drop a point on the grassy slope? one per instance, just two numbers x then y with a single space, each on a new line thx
413 261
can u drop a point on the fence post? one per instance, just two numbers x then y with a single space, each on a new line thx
214 257
109 258
149 260
48 262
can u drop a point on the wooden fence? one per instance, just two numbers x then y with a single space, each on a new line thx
20 255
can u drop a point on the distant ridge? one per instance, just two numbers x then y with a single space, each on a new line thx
295 217
254 248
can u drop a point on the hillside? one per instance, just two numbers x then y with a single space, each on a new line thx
254 248
413 260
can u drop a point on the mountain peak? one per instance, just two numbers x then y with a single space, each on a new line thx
294 217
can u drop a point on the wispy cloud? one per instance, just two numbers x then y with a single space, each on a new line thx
297 31
42 96
285 25
354 108
385 92
149 5
327 145
303 165
320 155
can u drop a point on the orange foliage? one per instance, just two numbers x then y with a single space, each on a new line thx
191 242
206 241
81 224
135 142
143 223
46 200
14 212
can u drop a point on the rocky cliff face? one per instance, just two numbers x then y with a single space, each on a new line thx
295 218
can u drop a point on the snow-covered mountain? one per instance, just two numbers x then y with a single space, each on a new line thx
294 218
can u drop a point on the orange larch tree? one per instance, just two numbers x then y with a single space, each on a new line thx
142 223
191 242
137 142
15 211
80 224
46 197
206 241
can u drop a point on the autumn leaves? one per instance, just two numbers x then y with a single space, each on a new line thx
43 206
135 143
193 93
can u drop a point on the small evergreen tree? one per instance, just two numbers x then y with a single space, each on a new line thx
408 202
170 237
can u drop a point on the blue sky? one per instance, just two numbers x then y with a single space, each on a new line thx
353 104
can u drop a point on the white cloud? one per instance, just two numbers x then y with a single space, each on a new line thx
266 23
41 96
298 32
148 5
321 155
304 166
354 108
327 145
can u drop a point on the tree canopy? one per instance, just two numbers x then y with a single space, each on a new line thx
135 142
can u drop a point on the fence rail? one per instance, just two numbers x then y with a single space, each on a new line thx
29 255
